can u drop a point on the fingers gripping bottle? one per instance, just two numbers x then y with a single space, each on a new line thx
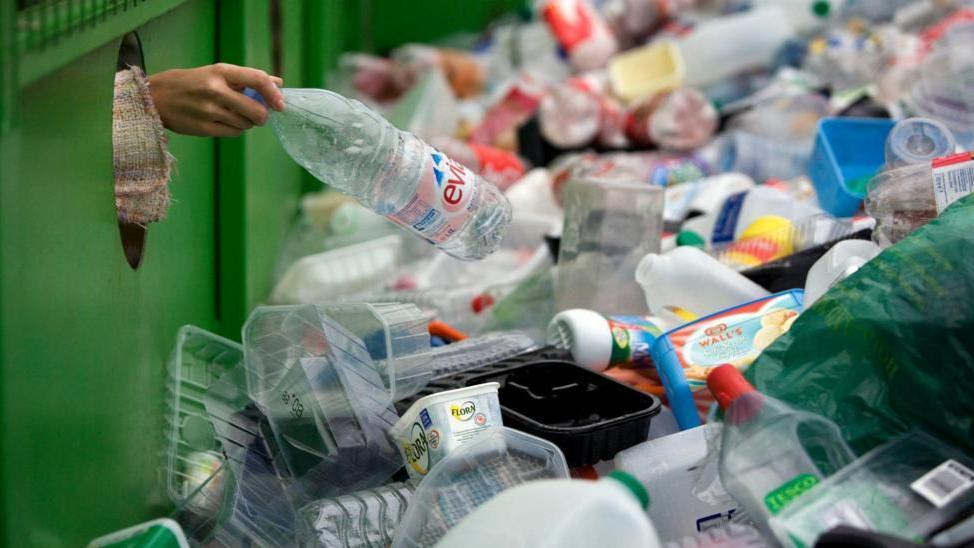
353 149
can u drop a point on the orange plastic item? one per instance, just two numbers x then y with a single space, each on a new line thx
446 331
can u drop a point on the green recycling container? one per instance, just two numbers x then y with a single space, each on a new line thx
84 337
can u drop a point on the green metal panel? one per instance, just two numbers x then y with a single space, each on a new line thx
83 337
259 184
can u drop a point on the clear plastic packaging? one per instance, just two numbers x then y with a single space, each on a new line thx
397 339
360 519
479 351
732 535
684 467
609 227
472 475
223 474
326 402
910 488
428 109
328 276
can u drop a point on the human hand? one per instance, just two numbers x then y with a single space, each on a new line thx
208 101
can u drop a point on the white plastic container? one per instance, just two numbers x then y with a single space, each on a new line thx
683 466
840 262
534 194
685 283
437 424
703 195
342 272
563 514
726 46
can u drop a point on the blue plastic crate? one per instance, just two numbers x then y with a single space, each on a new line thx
846 150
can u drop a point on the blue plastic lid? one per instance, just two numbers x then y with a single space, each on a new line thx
255 95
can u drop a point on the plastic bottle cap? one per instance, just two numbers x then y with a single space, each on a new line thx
821 8
727 383
255 95
586 334
690 238
633 485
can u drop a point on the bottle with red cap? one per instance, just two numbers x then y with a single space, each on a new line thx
771 454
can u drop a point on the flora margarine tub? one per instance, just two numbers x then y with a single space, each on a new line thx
436 424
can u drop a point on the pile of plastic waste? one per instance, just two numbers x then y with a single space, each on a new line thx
714 254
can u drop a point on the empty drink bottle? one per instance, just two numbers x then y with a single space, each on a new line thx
770 453
352 148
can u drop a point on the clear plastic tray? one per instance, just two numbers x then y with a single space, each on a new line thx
472 475
326 402
221 471
397 339
909 487
328 276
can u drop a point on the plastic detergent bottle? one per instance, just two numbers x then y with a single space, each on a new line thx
597 342
562 513
686 283
353 149
771 454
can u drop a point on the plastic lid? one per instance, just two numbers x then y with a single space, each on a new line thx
821 8
727 383
690 238
255 95
633 485
585 334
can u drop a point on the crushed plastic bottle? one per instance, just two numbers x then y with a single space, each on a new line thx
351 148
771 454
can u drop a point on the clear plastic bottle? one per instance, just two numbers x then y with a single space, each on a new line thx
501 167
771 454
353 149
682 119
364 518
581 30
569 114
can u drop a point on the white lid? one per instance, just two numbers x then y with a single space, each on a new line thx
585 334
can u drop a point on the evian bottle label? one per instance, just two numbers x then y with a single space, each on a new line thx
444 200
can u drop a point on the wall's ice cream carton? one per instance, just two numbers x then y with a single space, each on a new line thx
685 355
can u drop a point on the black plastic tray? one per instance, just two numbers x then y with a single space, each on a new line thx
588 415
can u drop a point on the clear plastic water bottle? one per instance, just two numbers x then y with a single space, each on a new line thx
364 518
353 149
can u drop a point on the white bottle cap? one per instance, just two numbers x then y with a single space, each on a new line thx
585 334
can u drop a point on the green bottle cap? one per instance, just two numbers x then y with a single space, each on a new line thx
634 486
821 8
691 238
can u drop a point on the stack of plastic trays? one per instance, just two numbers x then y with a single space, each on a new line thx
470 476
326 403
214 428
479 351
345 271
397 339
364 518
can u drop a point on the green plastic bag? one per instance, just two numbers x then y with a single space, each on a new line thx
890 348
